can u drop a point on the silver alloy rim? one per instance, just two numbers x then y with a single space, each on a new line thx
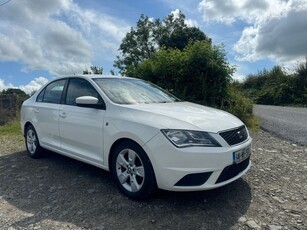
130 170
31 141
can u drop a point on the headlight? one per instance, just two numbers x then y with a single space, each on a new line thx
186 138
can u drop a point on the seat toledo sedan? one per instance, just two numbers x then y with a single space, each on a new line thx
143 135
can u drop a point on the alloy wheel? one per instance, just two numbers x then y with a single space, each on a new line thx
31 141
130 170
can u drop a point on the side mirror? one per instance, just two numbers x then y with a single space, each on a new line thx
89 102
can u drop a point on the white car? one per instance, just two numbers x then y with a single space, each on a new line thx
143 135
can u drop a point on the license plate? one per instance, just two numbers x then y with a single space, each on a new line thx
241 155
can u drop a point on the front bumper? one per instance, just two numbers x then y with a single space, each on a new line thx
194 168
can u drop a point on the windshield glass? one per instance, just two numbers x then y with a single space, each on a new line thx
133 91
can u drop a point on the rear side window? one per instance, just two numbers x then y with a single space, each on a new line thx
40 96
52 93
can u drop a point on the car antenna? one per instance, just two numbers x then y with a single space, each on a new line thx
73 72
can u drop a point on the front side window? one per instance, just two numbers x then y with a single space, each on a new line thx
53 92
79 87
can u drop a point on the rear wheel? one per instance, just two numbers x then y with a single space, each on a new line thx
132 171
33 147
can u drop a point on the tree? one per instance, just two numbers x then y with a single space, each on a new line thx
174 33
277 87
199 73
149 36
16 91
300 77
112 72
137 45
182 60
94 70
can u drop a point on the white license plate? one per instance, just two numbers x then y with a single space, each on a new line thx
241 155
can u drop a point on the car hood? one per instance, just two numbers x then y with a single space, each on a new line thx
181 115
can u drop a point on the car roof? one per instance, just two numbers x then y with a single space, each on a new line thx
93 76
86 76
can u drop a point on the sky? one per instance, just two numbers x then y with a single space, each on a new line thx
42 39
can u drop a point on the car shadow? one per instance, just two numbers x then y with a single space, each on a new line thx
61 189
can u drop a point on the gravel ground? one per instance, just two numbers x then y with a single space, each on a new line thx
59 193
287 122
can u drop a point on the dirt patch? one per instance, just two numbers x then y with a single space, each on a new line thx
56 192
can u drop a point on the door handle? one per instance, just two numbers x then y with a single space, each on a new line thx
36 110
63 114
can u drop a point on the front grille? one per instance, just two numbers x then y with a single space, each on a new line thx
232 171
235 136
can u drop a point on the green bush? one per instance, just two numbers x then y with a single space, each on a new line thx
277 86
240 106
200 73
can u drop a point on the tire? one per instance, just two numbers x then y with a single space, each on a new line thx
132 171
32 143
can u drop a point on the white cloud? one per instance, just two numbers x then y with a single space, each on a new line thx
247 43
4 86
279 34
32 86
238 77
191 23
188 22
275 29
57 36
241 71
231 10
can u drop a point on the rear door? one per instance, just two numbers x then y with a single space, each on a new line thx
46 114
81 128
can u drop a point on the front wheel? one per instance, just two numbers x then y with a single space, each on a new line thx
33 147
132 171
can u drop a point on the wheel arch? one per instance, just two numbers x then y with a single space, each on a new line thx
26 125
149 185
117 143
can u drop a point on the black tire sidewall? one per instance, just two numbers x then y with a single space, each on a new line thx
37 152
149 185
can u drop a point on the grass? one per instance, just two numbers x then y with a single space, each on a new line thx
242 107
253 123
11 139
11 128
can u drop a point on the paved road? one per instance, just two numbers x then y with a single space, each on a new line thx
287 122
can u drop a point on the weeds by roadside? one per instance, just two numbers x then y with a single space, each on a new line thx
11 138
11 128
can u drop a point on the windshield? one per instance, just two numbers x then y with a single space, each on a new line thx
133 91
